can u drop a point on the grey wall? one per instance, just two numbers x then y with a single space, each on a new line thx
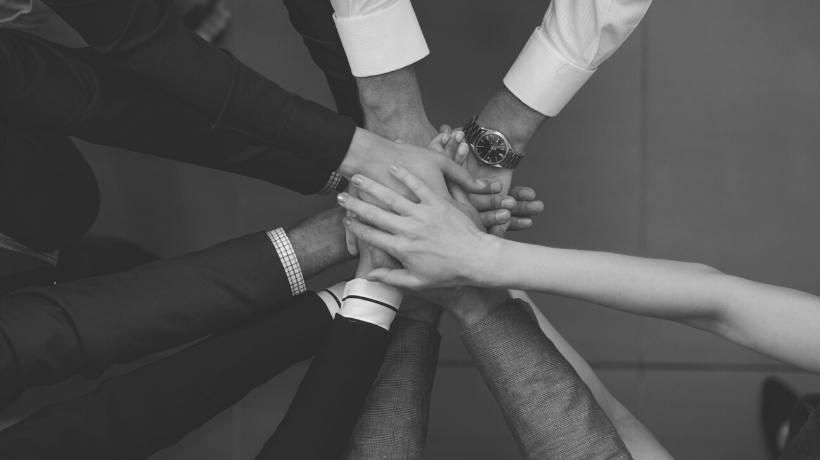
699 140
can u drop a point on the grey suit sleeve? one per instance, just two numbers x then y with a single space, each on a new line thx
393 422
551 412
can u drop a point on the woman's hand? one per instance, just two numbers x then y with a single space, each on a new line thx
435 240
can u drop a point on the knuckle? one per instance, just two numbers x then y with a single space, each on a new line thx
367 235
370 215
390 198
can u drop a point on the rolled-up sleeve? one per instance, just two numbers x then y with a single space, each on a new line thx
574 38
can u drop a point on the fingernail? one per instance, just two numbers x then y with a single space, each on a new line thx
502 215
528 194
445 138
459 136
346 222
357 180
371 278
462 148
342 197
394 168
496 187
525 222
505 203
537 206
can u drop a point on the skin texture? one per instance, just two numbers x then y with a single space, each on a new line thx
438 247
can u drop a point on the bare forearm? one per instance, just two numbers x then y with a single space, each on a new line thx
319 242
777 322
677 291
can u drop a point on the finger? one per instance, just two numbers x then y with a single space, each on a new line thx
384 195
497 230
352 243
445 128
463 178
369 235
397 278
520 223
522 193
382 259
528 208
370 214
416 186
437 143
451 148
459 194
493 202
493 218
461 153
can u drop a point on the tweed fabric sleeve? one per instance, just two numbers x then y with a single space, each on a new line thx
551 412
393 422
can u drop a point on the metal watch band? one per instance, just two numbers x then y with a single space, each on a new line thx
472 131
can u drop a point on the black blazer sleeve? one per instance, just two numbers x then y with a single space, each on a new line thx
327 404
147 37
153 407
85 326
47 88
313 19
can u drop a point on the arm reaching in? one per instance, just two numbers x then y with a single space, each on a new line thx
439 247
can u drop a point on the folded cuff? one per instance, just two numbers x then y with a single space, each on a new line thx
542 78
371 301
384 41
332 297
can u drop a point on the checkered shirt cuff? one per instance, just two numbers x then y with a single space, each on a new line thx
289 261
332 183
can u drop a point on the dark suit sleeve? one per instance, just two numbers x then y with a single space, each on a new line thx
327 404
313 19
47 88
147 37
85 326
135 415
550 411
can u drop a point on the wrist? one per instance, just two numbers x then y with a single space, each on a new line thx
362 147
475 304
483 269
386 95
319 242
507 114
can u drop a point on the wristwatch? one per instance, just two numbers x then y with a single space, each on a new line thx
491 147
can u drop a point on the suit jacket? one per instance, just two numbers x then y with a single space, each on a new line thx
147 37
48 334
134 415
50 91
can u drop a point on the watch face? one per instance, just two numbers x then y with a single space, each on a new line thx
491 148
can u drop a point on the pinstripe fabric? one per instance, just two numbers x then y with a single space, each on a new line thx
393 422
7 242
551 412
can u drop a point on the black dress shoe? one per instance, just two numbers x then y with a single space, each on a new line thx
776 406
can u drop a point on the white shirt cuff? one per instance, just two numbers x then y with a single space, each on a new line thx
332 297
542 78
371 301
384 41
290 263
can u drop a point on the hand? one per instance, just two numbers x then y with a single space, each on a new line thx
438 246
517 209
370 155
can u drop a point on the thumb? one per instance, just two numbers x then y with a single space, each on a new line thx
461 177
